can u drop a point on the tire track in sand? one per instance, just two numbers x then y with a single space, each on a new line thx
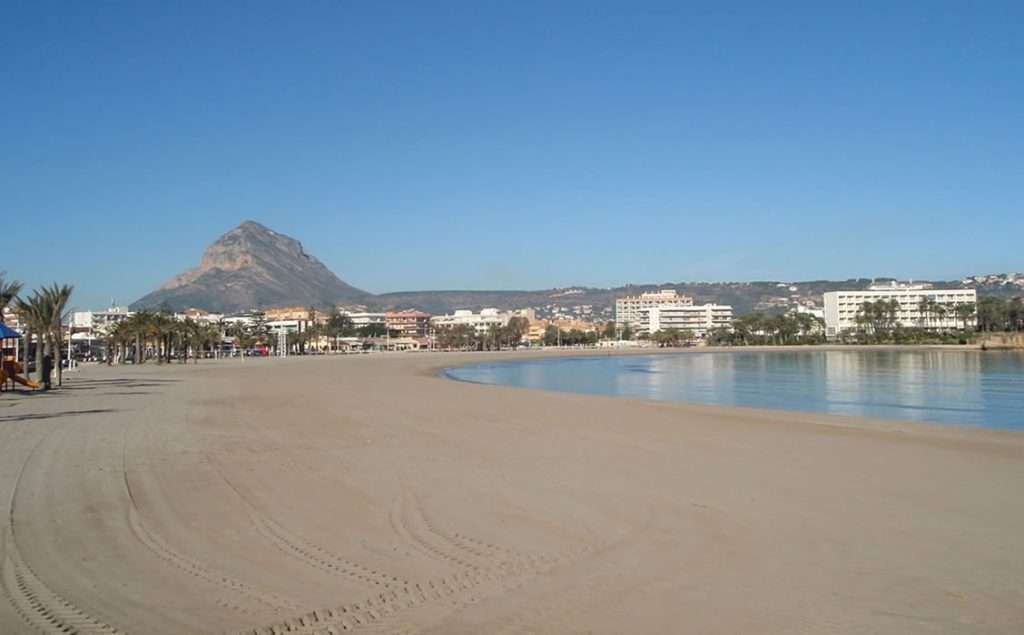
306 552
188 565
493 555
39 606
388 611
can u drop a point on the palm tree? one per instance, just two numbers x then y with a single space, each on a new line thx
924 312
34 312
136 328
136 331
940 313
116 339
219 332
197 336
493 338
8 292
57 298
865 317
1015 314
964 312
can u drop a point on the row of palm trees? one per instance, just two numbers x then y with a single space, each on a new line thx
671 337
884 315
42 313
1001 314
931 312
496 337
887 321
760 329
148 335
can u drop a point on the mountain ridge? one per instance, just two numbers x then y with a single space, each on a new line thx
255 267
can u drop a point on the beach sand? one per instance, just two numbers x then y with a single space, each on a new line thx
368 494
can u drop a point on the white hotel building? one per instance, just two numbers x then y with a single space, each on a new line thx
697 319
628 309
481 322
841 307
98 324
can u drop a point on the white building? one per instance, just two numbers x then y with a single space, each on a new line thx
97 324
812 311
288 326
627 309
841 307
11 319
481 322
697 319
361 319
198 315
244 321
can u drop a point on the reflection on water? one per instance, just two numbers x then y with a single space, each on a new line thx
961 387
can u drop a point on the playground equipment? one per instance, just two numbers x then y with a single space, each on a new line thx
11 371
10 368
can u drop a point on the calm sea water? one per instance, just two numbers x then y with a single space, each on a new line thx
957 387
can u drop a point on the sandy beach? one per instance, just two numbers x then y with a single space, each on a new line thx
369 494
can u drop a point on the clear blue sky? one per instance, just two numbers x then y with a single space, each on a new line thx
513 145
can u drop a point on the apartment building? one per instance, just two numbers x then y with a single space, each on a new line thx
841 307
697 319
628 309
414 324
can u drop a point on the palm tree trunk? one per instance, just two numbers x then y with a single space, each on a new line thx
57 345
39 358
28 344
47 347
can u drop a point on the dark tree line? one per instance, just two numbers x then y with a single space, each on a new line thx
759 329
998 314
465 337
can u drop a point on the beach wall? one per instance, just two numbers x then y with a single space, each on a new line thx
1003 340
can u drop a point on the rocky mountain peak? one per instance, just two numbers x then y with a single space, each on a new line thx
252 266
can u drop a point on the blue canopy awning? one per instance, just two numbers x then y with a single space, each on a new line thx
7 333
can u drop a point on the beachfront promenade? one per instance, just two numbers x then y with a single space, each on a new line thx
367 494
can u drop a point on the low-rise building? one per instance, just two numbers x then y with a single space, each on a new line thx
538 328
241 320
199 315
918 306
812 311
293 313
363 318
481 322
697 319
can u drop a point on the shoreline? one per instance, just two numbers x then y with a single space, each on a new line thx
917 428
